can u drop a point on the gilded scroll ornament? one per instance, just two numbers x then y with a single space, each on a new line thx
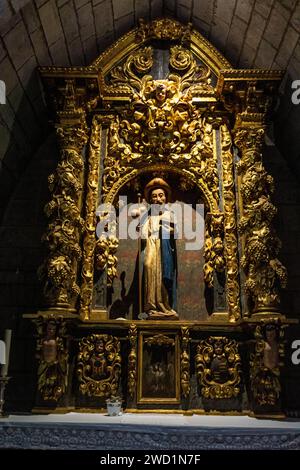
180 58
127 77
99 365
52 355
265 273
265 363
185 362
218 366
132 360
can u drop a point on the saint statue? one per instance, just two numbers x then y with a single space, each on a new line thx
158 231
53 367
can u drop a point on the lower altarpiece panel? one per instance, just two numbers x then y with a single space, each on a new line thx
195 367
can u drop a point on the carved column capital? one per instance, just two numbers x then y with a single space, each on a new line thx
71 130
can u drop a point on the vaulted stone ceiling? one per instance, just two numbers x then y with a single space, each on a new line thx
250 33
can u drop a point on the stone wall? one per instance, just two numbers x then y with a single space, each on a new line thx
21 253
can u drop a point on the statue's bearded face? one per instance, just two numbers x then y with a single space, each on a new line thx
158 196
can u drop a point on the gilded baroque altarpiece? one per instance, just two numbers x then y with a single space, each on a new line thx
162 102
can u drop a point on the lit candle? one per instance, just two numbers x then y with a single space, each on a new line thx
7 340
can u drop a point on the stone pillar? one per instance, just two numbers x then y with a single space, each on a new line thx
264 272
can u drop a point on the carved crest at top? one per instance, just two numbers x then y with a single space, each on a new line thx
161 123
165 28
161 117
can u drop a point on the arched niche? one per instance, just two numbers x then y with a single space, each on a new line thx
195 300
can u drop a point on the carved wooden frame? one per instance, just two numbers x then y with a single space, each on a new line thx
165 340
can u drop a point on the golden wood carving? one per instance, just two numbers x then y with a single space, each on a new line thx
164 28
105 257
185 362
265 273
132 361
156 127
126 78
230 227
167 29
89 237
99 365
162 125
213 252
52 355
60 268
123 158
218 366
160 340
265 363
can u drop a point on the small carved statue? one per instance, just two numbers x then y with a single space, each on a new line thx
265 362
53 367
98 360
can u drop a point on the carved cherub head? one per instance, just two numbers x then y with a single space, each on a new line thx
161 92
99 345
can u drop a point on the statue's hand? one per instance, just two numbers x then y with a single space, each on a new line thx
167 227
135 213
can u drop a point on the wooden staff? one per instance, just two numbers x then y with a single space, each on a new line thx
140 268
